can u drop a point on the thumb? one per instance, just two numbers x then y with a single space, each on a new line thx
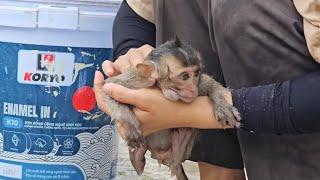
110 69
98 90
122 94
98 80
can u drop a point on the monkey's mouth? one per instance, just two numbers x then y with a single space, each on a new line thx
170 94
183 98
186 99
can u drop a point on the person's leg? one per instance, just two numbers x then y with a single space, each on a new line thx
213 172
218 155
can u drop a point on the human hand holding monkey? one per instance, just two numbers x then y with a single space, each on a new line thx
153 119
133 57
149 105
156 113
175 68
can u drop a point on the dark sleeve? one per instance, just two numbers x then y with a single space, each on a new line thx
131 31
290 107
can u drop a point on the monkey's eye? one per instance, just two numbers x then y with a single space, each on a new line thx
184 76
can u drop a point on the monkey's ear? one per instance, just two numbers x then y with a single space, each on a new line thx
145 69
177 41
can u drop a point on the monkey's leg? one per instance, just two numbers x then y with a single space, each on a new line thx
182 143
223 111
137 158
123 115
159 144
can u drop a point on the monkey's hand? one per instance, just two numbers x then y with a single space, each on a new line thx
223 111
226 113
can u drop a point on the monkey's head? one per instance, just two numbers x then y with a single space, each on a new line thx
176 67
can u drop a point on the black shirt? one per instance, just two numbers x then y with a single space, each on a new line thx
287 107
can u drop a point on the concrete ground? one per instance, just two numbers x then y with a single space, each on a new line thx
152 170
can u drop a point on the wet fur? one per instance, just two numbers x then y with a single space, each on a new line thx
177 142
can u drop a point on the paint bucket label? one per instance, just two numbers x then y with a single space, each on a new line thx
51 127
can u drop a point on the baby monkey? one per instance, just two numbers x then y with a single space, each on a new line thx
175 68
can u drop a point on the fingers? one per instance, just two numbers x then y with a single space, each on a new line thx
123 94
110 69
98 80
130 59
98 90
133 57
141 115
146 49
146 124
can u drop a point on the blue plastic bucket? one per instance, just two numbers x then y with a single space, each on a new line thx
51 127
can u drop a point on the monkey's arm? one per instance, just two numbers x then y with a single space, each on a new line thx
122 114
223 111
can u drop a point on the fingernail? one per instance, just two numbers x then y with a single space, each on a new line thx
96 73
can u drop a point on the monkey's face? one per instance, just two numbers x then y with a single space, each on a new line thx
176 69
181 83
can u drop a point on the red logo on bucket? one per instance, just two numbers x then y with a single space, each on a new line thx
46 62
48 57
84 99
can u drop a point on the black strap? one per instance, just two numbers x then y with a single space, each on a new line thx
131 31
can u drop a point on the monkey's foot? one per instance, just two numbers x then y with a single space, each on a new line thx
137 158
133 137
182 143
227 115
134 140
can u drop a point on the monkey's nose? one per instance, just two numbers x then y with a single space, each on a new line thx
194 92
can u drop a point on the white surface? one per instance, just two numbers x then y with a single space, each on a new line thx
27 16
58 17
95 21
75 23
90 2
10 170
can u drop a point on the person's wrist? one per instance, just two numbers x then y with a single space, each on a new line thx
198 114
182 116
